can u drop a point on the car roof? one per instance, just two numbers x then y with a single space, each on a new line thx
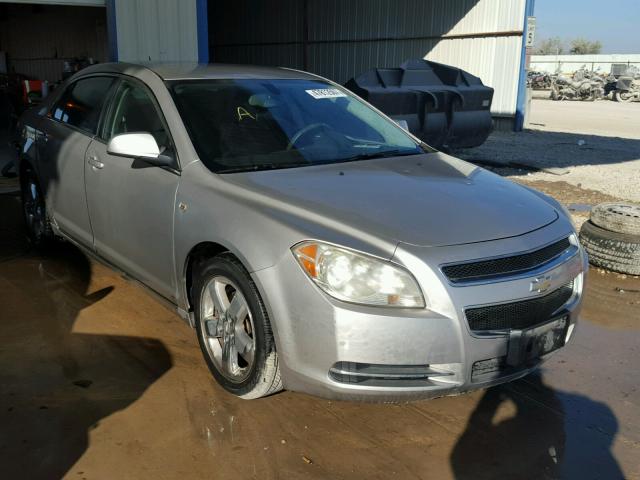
195 71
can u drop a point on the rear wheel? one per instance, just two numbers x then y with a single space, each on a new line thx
34 208
622 96
233 328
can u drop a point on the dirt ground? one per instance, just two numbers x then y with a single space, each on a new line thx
99 381
603 118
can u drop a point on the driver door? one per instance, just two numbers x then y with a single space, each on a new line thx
131 203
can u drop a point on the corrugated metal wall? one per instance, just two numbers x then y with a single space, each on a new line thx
495 58
253 31
342 38
39 39
157 30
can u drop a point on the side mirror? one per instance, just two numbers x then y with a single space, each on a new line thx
139 146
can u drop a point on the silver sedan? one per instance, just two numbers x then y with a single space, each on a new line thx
312 243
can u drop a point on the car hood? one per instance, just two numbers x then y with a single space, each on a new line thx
424 200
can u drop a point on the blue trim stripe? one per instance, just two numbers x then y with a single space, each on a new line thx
112 31
521 102
203 31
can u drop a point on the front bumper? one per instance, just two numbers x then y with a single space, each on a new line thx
321 340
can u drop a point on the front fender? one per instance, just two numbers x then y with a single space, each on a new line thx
259 231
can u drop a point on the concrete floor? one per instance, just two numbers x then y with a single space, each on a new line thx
604 117
99 381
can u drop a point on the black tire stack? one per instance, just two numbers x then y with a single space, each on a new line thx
612 237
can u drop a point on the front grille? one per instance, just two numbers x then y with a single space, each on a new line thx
518 315
486 269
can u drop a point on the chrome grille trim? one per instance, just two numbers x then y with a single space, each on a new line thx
507 267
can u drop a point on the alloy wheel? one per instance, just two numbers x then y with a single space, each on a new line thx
227 329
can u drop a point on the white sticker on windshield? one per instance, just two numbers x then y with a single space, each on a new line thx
325 93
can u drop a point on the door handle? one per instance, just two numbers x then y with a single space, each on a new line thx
94 162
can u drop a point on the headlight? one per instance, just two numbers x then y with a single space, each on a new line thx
354 277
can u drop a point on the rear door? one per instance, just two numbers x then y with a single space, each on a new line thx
131 203
66 133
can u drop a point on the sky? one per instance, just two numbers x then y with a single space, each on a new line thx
616 23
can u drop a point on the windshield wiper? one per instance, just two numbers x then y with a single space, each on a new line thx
382 154
279 165
263 166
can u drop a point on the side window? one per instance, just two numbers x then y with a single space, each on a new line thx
81 104
135 111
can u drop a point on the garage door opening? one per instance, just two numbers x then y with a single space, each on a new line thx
37 40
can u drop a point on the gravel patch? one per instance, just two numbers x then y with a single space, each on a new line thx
606 164
593 145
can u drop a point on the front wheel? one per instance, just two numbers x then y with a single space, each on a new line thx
233 328
556 95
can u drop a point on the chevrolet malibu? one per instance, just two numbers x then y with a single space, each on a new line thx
312 243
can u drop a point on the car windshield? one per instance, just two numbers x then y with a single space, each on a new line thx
258 124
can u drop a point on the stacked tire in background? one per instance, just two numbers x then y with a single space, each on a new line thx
612 237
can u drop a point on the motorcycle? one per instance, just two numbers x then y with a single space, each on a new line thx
627 89
627 86
564 88
539 80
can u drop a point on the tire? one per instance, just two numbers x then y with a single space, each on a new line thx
620 96
219 283
34 209
619 252
617 217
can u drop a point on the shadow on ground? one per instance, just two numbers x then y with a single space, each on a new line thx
537 436
55 384
539 149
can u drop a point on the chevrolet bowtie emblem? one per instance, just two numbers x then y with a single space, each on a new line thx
540 284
